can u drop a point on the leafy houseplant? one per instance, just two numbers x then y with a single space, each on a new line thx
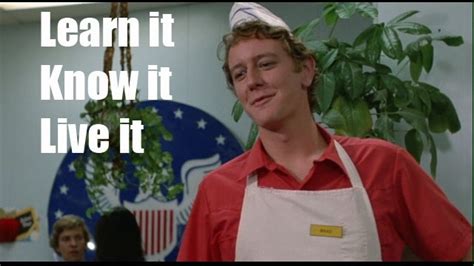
152 168
358 94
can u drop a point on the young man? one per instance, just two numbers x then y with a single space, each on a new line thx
301 193
69 238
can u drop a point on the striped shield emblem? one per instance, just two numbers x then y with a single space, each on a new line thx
158 230
159 219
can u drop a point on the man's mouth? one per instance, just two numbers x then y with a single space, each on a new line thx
261 100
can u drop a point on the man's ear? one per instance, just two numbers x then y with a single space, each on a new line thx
308 71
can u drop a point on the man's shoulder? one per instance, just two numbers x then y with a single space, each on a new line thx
224 186
231 171
364 145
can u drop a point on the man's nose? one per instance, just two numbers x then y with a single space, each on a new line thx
73 242
254 78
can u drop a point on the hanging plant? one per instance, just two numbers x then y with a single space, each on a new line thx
152 168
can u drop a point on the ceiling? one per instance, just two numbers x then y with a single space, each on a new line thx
21 16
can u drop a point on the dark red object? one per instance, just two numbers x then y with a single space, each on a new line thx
9 229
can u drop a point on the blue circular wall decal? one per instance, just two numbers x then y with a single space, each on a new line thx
200 144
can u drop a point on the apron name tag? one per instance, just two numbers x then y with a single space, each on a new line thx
325 230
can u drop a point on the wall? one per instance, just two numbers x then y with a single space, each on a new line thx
26 175
452 73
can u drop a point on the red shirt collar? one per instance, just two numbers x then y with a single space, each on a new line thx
258 157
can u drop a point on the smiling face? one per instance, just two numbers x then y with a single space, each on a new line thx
266 82
72 244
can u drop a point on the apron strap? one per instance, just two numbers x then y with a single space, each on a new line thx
252 180
349 165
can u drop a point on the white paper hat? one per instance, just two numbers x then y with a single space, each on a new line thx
243 12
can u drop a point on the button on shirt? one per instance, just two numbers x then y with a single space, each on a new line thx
409 208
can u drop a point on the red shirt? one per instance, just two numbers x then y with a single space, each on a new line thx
409 208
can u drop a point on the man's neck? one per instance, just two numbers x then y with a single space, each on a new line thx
295 145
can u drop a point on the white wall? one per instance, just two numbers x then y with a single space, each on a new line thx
452 73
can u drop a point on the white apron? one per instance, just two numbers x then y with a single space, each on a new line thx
289 225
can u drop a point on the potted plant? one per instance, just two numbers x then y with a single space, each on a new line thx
360 94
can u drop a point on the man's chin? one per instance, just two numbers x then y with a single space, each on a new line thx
74 258
269 124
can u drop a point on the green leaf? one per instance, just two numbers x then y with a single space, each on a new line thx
415 67
452 116
91 106
90 211
381 96
383 69
412 28
237 110
334 119
437 121
328 59
384 128
402 17
422 95
450 40
415 118
329 7
414 144
364 35
367 10
427 56
174 191
391 44
412 50
371 82
357 116
443 114
373 49
434 155
330 16
353 79
317 46
252 136
167 136
345 10
425 98
429 88
305 31
416 103
332 43
397 89
355 53
325 90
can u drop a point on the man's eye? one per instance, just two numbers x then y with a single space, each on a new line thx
238 74
266 64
